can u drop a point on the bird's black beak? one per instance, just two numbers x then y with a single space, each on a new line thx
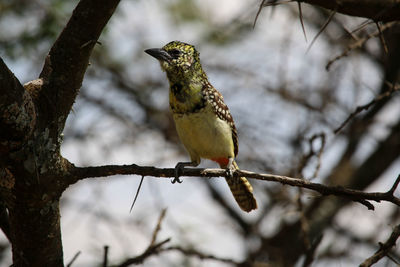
159 54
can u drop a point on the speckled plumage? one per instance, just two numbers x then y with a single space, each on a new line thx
203 121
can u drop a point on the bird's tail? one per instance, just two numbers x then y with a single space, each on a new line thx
242 192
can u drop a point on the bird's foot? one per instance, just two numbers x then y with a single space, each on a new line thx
178 169
176 179
230 168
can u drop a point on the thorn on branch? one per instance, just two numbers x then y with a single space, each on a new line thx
89 43
137 193
301 20
105 257
396 183
73 259
269 3
331 15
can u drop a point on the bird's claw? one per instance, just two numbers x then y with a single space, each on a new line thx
229 172
176 179
178 168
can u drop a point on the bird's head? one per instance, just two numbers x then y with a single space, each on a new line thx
177 58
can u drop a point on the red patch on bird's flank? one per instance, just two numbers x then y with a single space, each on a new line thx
223 162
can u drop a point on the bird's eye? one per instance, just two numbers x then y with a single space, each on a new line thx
175 53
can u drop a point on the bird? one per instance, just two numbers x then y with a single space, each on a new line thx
203 121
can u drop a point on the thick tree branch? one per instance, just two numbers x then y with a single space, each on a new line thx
17 113
384 248
67 61
37 166
376 10
79 173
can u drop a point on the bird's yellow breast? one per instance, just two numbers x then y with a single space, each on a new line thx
204 135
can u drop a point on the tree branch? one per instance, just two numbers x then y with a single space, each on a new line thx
194 253
67 61
393 88
360 42
80 173
384 248
376 10
17 112
150 251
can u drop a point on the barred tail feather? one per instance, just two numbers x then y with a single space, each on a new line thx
242 192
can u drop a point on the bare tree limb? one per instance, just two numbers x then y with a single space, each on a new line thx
150 251
376 10
360 42
382 38
153 248
384 248
310 254
36 114
393 88
17 112
79 173
67 61
194 253
158 227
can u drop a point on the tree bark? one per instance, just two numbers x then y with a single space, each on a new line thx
376 10
32 119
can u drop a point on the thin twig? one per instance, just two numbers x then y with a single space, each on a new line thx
310 253
362 25
158 227
318 154
388 93
202 256
150 251
360 43
382 38
258 13
384 248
